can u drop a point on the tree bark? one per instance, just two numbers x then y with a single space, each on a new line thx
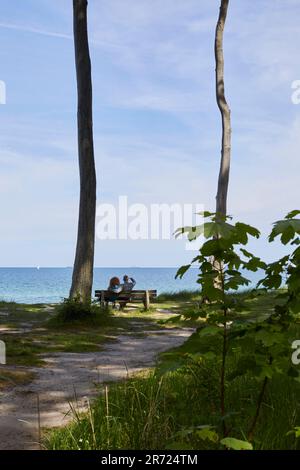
221 198
84 259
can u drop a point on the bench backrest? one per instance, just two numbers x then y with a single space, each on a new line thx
134 294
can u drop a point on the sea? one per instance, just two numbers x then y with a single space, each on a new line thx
52 285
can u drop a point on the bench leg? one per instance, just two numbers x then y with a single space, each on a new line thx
147 300
102 299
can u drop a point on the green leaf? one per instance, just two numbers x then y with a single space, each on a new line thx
234 282
294 305
285 227
209 330
266 371
297 431
207 434
224 229
246 253
236 444
272 281
268 338
192 232
243 230
287 235
292 214
232 272
254 262
207 267
208 288
211 248
210 230
207 214
181 271
209 356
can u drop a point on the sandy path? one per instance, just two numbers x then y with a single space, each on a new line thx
71 375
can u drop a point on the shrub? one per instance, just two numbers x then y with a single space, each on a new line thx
74 310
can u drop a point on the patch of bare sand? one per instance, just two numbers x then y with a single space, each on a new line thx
73 378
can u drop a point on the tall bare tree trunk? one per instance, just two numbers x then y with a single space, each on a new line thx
84 259
221 199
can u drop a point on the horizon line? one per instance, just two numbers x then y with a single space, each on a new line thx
95 267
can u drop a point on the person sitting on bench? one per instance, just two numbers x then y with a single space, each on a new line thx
128 283
127 287
114 289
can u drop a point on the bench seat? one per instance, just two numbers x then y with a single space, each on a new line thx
134 296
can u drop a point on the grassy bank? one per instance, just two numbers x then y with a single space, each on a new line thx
166 408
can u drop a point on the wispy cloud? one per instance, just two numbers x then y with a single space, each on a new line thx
44 32
157 126
29 29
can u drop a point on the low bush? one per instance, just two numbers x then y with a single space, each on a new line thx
75 311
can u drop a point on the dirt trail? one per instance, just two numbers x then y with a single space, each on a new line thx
73 377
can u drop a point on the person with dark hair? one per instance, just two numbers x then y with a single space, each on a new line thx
114 289
128 283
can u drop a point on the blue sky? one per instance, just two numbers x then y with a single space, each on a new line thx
157 126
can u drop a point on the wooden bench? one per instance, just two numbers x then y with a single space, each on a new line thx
133 297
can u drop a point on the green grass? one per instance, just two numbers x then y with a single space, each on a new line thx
28 350
183 295
162 409
154 412
32 331
46 333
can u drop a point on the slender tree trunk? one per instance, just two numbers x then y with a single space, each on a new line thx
221 199
84 259
223 377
